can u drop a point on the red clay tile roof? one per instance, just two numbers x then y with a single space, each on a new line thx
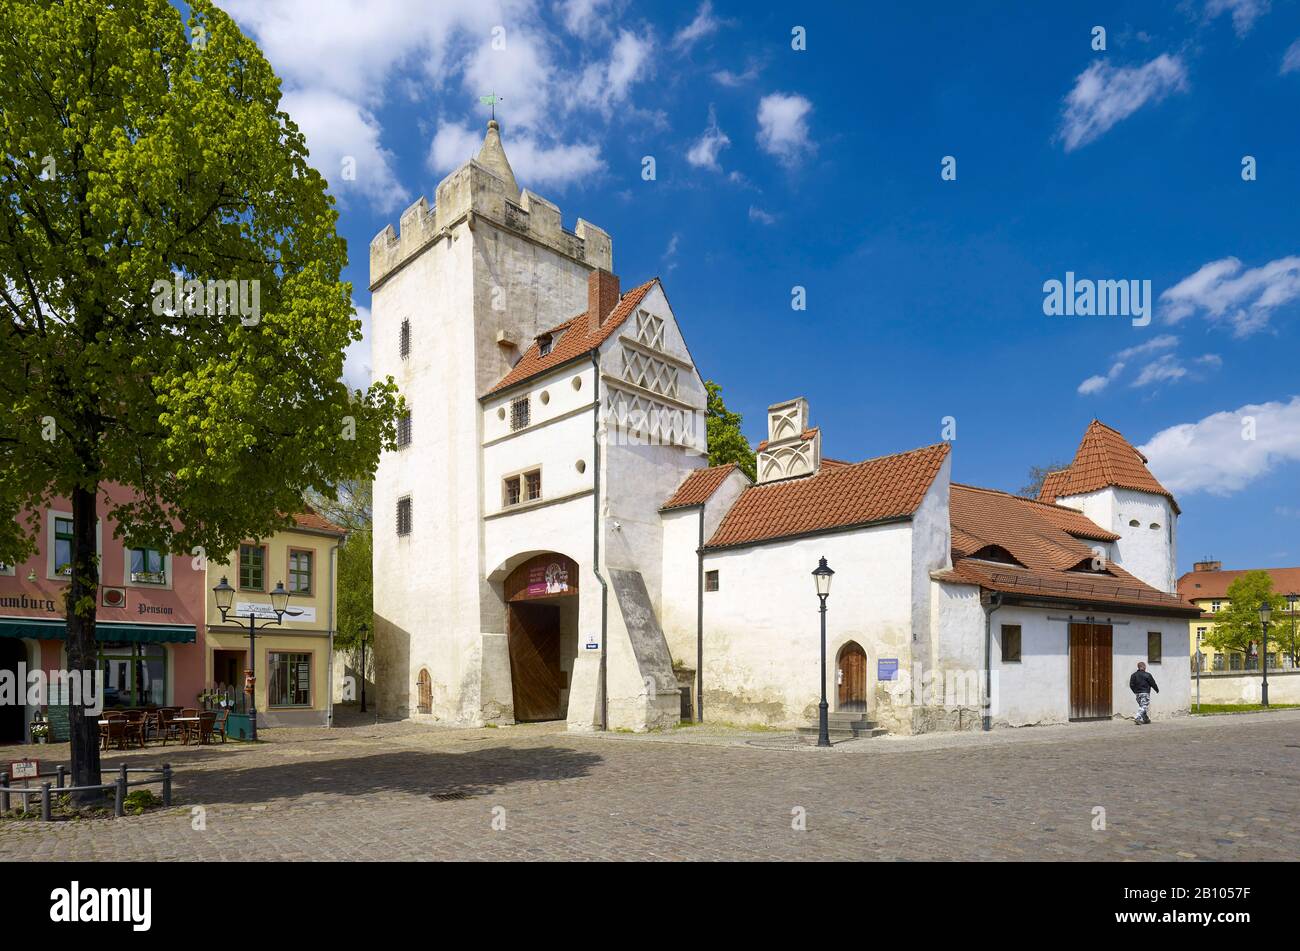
312 521
1119 589
698 487
1214 584
1104 458
1045 540
877 490
572 339
805 436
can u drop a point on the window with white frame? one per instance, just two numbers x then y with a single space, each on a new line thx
148 566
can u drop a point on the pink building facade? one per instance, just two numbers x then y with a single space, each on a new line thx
149 619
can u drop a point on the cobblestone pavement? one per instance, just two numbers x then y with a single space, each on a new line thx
1189 788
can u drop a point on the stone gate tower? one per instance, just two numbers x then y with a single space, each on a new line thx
458 292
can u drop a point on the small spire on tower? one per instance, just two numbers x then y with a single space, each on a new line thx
492 156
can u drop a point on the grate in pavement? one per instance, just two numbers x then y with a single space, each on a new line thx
448 796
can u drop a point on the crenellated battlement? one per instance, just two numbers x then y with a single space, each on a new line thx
484 187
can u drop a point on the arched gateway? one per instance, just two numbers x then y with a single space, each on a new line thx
542 629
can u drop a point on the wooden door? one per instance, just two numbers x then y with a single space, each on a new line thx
533 631
424 694
851 675
1090 671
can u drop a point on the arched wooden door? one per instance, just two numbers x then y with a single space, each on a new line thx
424 692
851 678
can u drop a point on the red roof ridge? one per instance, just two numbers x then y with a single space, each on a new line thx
698 486
576 340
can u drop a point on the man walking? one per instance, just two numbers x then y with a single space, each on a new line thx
1142 683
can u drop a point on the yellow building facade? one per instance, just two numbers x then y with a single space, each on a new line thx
1206 586
293 658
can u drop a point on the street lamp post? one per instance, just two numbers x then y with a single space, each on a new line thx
822 574
224 595
1291 600
362 628
1265 612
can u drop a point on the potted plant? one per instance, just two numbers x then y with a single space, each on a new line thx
40 731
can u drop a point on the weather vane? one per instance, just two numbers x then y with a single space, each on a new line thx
491 100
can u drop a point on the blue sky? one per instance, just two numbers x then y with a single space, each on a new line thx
821 168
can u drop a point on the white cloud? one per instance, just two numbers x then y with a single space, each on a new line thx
536 164
582 16
1163 369
1104 95
1291 59
783 127
733 80
356 359
670 253
521 73
1095 384
1213 456
762 217
339 130
704 24
1244 299
704 153
607 84
1244 12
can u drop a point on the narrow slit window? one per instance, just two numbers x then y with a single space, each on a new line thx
404 515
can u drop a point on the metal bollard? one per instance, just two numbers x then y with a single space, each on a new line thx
45 802
62 771
119 800
4 793
167 784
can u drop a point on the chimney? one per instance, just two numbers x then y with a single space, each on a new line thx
1207 566
602 297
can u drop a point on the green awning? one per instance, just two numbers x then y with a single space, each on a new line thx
55 630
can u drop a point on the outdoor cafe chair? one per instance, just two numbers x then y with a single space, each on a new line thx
113 731
203 729
219 724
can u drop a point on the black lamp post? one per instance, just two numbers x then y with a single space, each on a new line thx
1291 600
822 574
1265 612
362 628
224 595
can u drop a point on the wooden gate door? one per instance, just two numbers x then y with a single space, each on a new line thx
533 631
1090 671
851 672
424 699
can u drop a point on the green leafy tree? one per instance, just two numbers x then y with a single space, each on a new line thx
726 442
137 153
1237 626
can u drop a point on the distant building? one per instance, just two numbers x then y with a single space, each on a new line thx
1206 586
551 544
294 657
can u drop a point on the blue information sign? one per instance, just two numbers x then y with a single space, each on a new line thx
886 668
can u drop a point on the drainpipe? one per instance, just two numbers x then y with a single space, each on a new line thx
699 624
595 544
329 687
994 602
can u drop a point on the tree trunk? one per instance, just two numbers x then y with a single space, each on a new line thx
82 597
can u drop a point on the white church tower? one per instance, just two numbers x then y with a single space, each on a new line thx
1110 483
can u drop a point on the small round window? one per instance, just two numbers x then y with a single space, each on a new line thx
546 397
1155 526
1134 523
577 382
501 413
